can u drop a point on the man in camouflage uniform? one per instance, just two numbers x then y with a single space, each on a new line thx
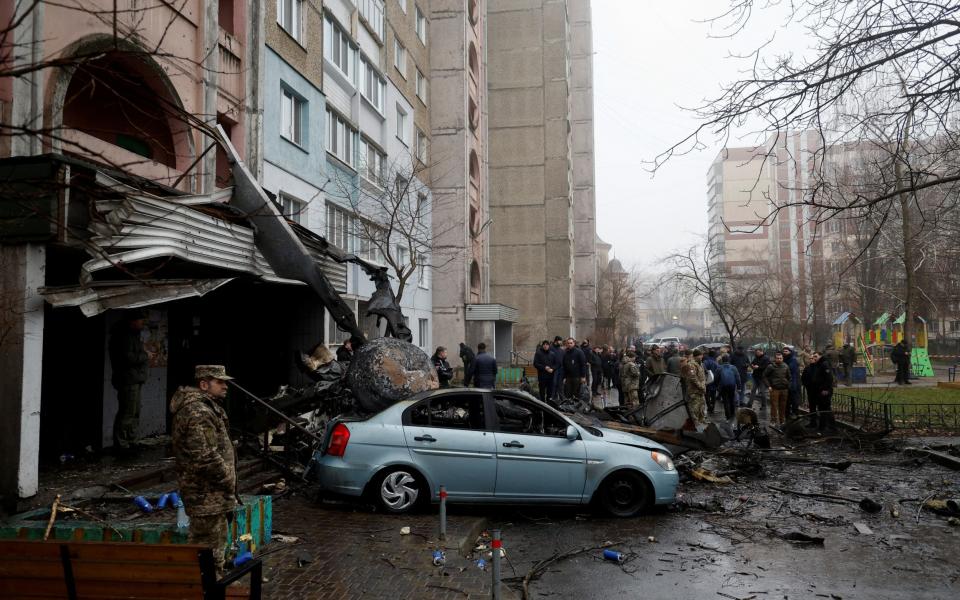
130 363
206 459
630 380
696 385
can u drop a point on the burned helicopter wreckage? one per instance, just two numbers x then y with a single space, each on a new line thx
389 369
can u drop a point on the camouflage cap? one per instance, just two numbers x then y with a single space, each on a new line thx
214 371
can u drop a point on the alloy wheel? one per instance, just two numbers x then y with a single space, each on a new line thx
398 491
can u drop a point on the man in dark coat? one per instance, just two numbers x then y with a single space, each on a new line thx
345 352
793 397
466 356
483 369
741 361
818 380
444 370
557 350
574 369
710 364
130 362
596 370
546 361
759 364
848 357
901 358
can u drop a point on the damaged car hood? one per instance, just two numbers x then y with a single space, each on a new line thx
628 439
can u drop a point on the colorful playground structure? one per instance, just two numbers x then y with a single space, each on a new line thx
873 345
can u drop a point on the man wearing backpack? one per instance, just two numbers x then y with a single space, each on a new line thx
710 365
728 384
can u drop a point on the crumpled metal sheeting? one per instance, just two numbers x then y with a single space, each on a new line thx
139 228
98 299
386 370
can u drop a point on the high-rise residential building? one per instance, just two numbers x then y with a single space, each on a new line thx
512 170
738 189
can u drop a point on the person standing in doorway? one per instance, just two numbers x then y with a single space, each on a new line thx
130 361
206 459
466 357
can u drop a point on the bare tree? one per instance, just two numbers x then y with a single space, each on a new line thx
616 303
393 216
737 299
876 72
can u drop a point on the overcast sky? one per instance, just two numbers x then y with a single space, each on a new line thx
649 57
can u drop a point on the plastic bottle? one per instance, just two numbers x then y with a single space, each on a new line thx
439 558
144 504
162 502
183 521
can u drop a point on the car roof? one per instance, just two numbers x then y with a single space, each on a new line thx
457 390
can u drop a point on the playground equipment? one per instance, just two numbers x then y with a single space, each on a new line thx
848 329
879 333
919 355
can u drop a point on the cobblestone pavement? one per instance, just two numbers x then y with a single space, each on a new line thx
356 553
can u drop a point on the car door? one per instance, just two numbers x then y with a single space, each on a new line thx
535 460
450 442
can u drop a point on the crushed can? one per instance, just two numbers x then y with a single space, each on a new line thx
439 558
481 564
613 555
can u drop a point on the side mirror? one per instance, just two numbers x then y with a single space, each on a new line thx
572 433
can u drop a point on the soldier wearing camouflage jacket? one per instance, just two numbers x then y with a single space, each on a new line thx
206 459
630 380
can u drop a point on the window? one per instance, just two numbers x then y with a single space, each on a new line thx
371 240
421 146
954 326
403 5
338 227
402 124
423 272
372 160
516 416
400 58
456 411
421 86
289 17
340 136
371 11
292 118
291 208
373 87
424 333
338 48
421 26
403 256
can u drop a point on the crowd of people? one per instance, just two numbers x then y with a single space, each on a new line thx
721 379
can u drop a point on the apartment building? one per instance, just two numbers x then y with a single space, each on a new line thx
110 121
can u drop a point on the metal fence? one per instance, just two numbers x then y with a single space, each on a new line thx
873 415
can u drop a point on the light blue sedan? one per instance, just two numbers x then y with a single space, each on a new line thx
491 446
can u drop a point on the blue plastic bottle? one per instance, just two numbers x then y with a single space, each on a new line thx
144 504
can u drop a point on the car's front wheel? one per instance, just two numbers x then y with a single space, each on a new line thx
625 494
399 490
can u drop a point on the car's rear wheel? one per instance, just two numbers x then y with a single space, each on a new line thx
399 490
625 494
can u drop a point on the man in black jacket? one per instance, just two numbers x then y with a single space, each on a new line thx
741 361
759 363
483 369
345 352
546 361
466 356
817 378
901 357
444 370
596 370
574 369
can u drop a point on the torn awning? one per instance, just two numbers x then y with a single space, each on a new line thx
101 297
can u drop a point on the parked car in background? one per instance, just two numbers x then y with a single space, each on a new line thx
771 347
651 343
710 346
671 342
491 446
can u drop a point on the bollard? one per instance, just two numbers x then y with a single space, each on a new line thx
443 512
495 545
